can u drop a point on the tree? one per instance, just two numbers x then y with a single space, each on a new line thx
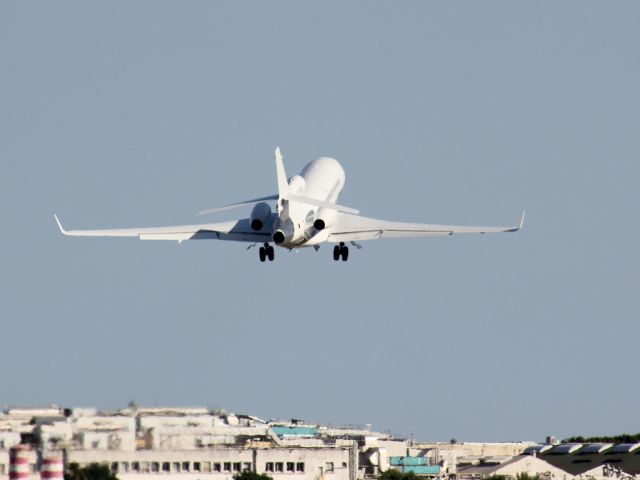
519 476
526 476
93 471
622 438
248 475
397 475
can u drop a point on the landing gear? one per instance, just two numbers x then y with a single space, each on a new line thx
341 251
267 252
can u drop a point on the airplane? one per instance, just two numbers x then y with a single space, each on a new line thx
306 215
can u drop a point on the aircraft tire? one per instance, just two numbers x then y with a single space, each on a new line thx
270 253
336 253
263 254
345 253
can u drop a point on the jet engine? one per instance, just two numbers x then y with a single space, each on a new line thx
284 231
259 215
297 185
325 217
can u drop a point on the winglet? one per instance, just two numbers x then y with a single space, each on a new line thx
62 230
521 221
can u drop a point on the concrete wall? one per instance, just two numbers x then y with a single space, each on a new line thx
185 438
510 449
9 439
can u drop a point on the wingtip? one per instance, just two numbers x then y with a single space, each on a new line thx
521 220
62 230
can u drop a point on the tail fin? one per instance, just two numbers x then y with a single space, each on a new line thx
283 186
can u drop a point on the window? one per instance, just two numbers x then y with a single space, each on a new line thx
196 466
114 467
344 464
144 467
246 467
135 466
300 467
2 465
176 466
155 467
185 466
237 466
329 467
279 467
291 467
217 467
227 466
124 466
166 467
269 467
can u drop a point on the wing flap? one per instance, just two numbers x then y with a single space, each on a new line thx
237 230
354 228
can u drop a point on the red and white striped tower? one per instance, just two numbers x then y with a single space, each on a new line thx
19 463
51 468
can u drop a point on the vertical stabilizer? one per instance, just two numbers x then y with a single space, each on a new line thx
283 186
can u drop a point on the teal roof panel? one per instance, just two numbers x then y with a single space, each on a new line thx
295 431
399 461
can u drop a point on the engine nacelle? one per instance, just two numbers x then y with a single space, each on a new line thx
259 215
325 217
284 231
297 185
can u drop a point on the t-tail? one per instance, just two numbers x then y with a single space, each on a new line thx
281 178
283 196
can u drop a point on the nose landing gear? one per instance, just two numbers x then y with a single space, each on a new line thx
341 251
266 252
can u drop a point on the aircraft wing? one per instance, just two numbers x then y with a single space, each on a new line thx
350 228
236 230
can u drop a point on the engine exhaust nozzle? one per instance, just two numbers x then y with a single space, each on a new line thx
256 224
319 224
278 237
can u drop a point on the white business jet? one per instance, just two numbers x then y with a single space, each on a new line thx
306 215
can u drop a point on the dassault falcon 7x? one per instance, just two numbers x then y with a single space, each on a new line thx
306 215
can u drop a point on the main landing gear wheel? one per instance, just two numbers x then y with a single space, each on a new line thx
267 252
341 251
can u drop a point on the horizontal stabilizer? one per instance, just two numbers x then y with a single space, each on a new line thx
238 204
320 203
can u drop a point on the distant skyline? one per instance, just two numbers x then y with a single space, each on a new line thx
129 114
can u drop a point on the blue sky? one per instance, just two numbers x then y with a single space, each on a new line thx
140 114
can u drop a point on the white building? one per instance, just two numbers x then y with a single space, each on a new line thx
222 463
511 468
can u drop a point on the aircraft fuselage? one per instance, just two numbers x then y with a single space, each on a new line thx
322 179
